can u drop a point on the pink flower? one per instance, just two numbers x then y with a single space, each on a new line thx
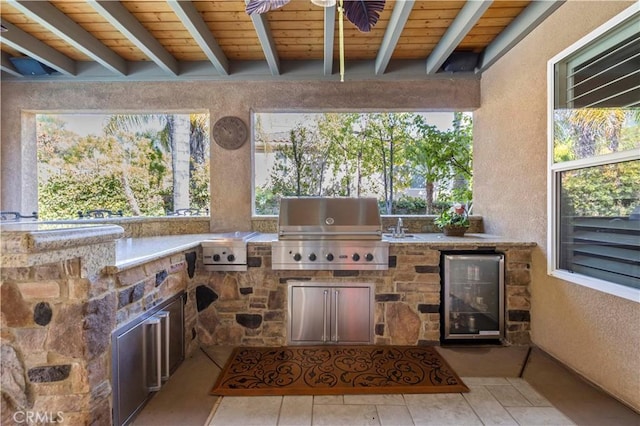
459 208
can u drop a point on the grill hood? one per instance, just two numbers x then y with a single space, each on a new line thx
329 218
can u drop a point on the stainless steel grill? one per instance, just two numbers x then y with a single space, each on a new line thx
318 233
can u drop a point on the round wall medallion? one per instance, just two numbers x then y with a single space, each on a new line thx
230 132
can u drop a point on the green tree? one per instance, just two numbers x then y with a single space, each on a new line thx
299 166
349 173
176 129
387 133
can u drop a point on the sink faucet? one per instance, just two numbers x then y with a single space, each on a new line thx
398 230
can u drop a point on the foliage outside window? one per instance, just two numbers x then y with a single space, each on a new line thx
413 163
140 164
594 233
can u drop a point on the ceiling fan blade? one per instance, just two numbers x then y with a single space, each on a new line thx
263 6
363 14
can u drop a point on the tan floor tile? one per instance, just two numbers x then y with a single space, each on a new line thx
441 409
487 407
532 416
508 395
328 399
296 410
381 399
347 415
247 411
394 415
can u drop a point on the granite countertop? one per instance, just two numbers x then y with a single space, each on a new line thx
37 237
428 238
136 251
33 237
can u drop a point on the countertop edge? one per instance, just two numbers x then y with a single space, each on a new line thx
169 245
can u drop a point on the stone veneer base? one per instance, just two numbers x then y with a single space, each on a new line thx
250 308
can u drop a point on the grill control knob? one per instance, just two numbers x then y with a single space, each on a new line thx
216 258
231 258
355 257
312 257
368 257
330 257
297 257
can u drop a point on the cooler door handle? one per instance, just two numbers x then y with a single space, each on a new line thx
164 317
324 316
155 351
337 314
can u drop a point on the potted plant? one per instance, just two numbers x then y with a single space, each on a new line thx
454 221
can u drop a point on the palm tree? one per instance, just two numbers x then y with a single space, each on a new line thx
176 130
591 124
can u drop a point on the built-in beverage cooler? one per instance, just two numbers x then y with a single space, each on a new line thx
472 297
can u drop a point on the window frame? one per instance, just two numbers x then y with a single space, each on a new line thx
614 25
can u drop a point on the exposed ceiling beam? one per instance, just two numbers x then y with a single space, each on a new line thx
263 32
329 31
193 22
532 16
130 27
47 15
17 39
398 19
457 31
7 66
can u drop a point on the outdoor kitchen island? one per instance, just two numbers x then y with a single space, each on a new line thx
65 289
250 308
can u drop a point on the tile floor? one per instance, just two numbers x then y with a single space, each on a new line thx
492 401
509 385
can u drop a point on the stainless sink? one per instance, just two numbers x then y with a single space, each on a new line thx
405 237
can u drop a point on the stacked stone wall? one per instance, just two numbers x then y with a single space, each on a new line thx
56 324
250 308
57 320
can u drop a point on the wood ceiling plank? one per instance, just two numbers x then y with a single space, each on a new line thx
503 12
508 3
438 5
9 50
438 23
226 16
288 25
240 41
146 6
433 14
219 6
72 7
494 22
295 15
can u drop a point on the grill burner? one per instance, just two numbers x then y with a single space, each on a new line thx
318 233
226 252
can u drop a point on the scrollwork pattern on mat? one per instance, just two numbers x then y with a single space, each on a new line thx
346 366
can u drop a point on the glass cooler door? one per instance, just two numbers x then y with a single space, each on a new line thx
473 296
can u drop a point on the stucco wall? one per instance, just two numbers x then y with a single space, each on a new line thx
231 170
595 334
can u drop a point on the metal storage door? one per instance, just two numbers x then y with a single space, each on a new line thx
136 370
309 314
351 322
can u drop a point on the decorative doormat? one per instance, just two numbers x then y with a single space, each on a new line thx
335 370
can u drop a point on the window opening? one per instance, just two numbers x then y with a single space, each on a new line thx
133 164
